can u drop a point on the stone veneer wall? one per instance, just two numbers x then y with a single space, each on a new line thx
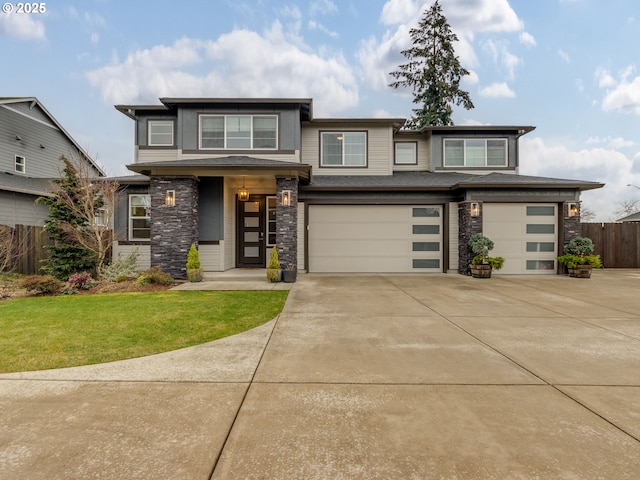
173 229
572 226
467 226
287 223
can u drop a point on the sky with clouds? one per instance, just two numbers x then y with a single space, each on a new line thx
567 67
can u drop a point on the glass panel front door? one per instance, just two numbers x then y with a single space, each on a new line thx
251 240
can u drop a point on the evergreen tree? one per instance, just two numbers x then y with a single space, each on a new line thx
433 71
66 256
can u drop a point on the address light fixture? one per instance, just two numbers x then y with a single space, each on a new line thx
572 209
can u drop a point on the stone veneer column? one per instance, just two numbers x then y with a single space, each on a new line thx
467 226
287 223
572 226
173 229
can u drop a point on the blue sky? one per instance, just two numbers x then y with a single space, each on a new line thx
567 67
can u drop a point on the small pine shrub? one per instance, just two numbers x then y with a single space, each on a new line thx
44 284
123 267
80 281
193 258
154 276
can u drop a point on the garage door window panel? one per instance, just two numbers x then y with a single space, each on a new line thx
540 228
426 212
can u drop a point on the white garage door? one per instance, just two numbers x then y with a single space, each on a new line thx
525 235
380 238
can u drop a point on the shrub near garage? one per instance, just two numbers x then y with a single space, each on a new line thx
154 276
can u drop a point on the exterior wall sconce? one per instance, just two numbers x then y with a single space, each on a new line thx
475 209
572 209
286 198
170 198
243 193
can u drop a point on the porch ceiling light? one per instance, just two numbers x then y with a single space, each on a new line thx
170 198
243 193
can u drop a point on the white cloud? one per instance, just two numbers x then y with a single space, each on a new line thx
527 39
322 7
23 26
564 56
597 164
611 142
273 67
397 12
499 51
313 25
497 90
622 94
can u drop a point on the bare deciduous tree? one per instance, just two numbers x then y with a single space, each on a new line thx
586 214
92 205
626 207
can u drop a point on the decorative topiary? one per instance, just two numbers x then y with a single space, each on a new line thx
481 246
194 271
274 273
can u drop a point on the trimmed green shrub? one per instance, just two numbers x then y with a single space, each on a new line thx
44 284
154 276
194 272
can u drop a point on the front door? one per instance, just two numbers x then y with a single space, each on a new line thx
251 241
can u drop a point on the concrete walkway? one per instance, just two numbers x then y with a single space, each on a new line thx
360 377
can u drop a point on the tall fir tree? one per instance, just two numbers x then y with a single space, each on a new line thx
433 71
65 255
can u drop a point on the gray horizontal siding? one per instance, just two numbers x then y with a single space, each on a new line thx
40 162
21 209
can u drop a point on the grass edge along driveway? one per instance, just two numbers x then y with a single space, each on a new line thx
38 333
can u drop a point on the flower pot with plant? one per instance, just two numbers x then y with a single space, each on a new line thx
579 258
194 270
274 273
482 264
289 274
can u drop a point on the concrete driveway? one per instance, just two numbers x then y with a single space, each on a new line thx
360 377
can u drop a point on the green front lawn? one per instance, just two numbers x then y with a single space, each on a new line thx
53 332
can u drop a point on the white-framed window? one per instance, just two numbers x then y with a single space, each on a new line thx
239 132
475 152
343 149
139 217
271 221
21 164
101 217
160 133
406 153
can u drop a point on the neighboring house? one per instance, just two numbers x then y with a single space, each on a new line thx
240 176
31 143
634 217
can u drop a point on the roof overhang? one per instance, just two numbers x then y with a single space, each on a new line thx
224 166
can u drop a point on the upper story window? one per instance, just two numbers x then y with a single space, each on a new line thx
406 153
139 217
239 132
21 164
343 149
160 133
475 152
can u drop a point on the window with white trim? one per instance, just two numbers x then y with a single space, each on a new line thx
160 133
343 149
139 217
21 164
238 132
406 153
475 152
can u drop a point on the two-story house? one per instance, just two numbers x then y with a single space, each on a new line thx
31 144
241 176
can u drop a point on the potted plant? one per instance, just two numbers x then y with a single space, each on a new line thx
274 274
194 270
579 258
289 274
482 264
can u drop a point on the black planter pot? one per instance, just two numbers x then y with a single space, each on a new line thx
289 276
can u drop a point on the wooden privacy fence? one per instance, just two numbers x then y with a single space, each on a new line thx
618 244
22 248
